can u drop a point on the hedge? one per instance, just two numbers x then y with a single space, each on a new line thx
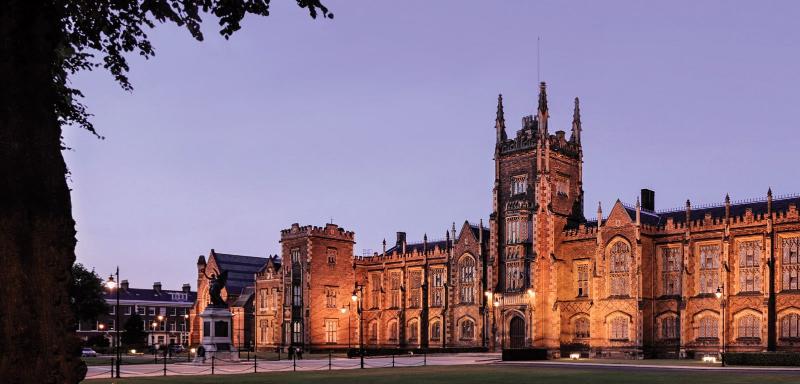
524 354
388 351
763 358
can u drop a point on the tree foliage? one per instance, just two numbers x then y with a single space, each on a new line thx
100 33
86 294
134 335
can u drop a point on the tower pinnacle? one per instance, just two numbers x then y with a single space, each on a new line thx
500 121
576 123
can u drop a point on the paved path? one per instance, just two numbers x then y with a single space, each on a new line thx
139 370
177 369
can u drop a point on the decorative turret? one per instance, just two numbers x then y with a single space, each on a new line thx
543 113
500 121
688 212
576 123
769 201
727 207
599 214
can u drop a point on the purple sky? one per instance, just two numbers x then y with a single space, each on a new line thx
383 119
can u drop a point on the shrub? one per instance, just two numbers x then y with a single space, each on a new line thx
763 358
524 354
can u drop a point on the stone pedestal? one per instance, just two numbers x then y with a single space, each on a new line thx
216 336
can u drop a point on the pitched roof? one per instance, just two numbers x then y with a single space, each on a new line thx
476 231
145 294
678 215
241 270
410 247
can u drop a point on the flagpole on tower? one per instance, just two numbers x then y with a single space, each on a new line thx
538 62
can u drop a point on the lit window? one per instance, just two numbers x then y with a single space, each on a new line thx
583 280
749 270
519 184
331 328
749 327
790 264
619 328
620 260
790 326
707 329
709 268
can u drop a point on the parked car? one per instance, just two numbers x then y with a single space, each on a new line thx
177 348
88 352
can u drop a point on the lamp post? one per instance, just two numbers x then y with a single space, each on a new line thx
186 329
349 328
531 300
358 298
486 306
496 304
153 338
112 284
719 294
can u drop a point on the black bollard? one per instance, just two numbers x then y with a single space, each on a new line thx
329 360
112 367
294 362
212 364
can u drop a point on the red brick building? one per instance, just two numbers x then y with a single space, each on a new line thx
635 282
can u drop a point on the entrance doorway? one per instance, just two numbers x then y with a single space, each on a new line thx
517 333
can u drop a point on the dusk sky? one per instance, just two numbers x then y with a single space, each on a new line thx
383 119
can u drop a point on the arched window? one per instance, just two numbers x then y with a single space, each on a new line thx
790 326
466 269
619 255
790 264
392 331
373 332
749 327
707 328
467 329
413 331
749 270
669 327
436 330
619 328
581 328
709 268
266 332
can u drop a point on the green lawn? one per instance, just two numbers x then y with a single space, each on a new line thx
480 375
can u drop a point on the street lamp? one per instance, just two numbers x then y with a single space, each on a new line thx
186 329
486 307
359 300
719 294
349 323
494 320
112 284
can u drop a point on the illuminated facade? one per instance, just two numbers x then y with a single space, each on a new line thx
635 282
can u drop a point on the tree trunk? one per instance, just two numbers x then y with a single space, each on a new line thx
37 232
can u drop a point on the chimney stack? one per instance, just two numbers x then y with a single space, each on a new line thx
124 285
648 200
401 239
157 286
187 288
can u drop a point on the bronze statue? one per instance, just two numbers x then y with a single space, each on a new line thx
215 286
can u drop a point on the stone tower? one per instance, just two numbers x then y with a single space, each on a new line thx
317 282
537 191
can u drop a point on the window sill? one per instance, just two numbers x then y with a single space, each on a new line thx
619 340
